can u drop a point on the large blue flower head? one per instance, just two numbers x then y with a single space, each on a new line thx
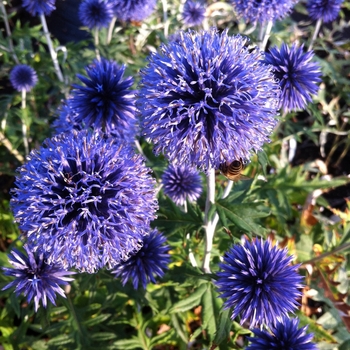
95 13
150 261
206 98
297 75
35 278
39 7
23 77
106 101
327 10
193 12
262 11
285 335
259 283
133 10
85 199
182 183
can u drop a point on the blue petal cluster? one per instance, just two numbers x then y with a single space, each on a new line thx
182 183
150 261
285 335
205 99
193 12
262 11
133 10
23 77
297 75
84 199
106 101
38 7
95 13
327 10
259 283
35 278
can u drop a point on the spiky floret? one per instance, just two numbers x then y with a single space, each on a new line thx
23 77
84 199
150 261
182 183
285 335
95 13
205 98
262 11
35 278
133 10
297 75
327 10
257 280
38 7
193 12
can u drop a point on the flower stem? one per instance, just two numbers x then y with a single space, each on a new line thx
209 224
24 123
96 44
268 29
110 29
315 35
5 141
53 53
8 32
165 18
324 255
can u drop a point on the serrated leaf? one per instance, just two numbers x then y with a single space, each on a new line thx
263 161
224 327
103 336
209 308
61 339
128 344
96 320
191 301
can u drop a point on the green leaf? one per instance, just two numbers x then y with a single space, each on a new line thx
96 320
127 344
191 301
61 339
263 161
224 327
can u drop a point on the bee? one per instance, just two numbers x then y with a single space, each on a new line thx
233 170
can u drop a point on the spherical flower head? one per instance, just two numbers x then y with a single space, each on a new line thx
193 12
95 13
206 98
39 7
133 10
259 283
106 100
85 199
285 335
150 261
35 278
327 10
182 183
23 77
297 75
262 11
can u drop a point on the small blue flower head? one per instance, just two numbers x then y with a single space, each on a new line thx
262 11
23 77
327 10
297 75
193 12
259 283
285 335
105 101
39 7
150 261
95 13
84 199
35 278
133 10
182 183
205 99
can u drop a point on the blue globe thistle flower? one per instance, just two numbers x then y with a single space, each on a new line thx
206 98
133 10
85 199
150 261
285 335
193 12
181 183
327 10
105 101
38 7
35 278
259 282
297 75
95 13
262 11
23 77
